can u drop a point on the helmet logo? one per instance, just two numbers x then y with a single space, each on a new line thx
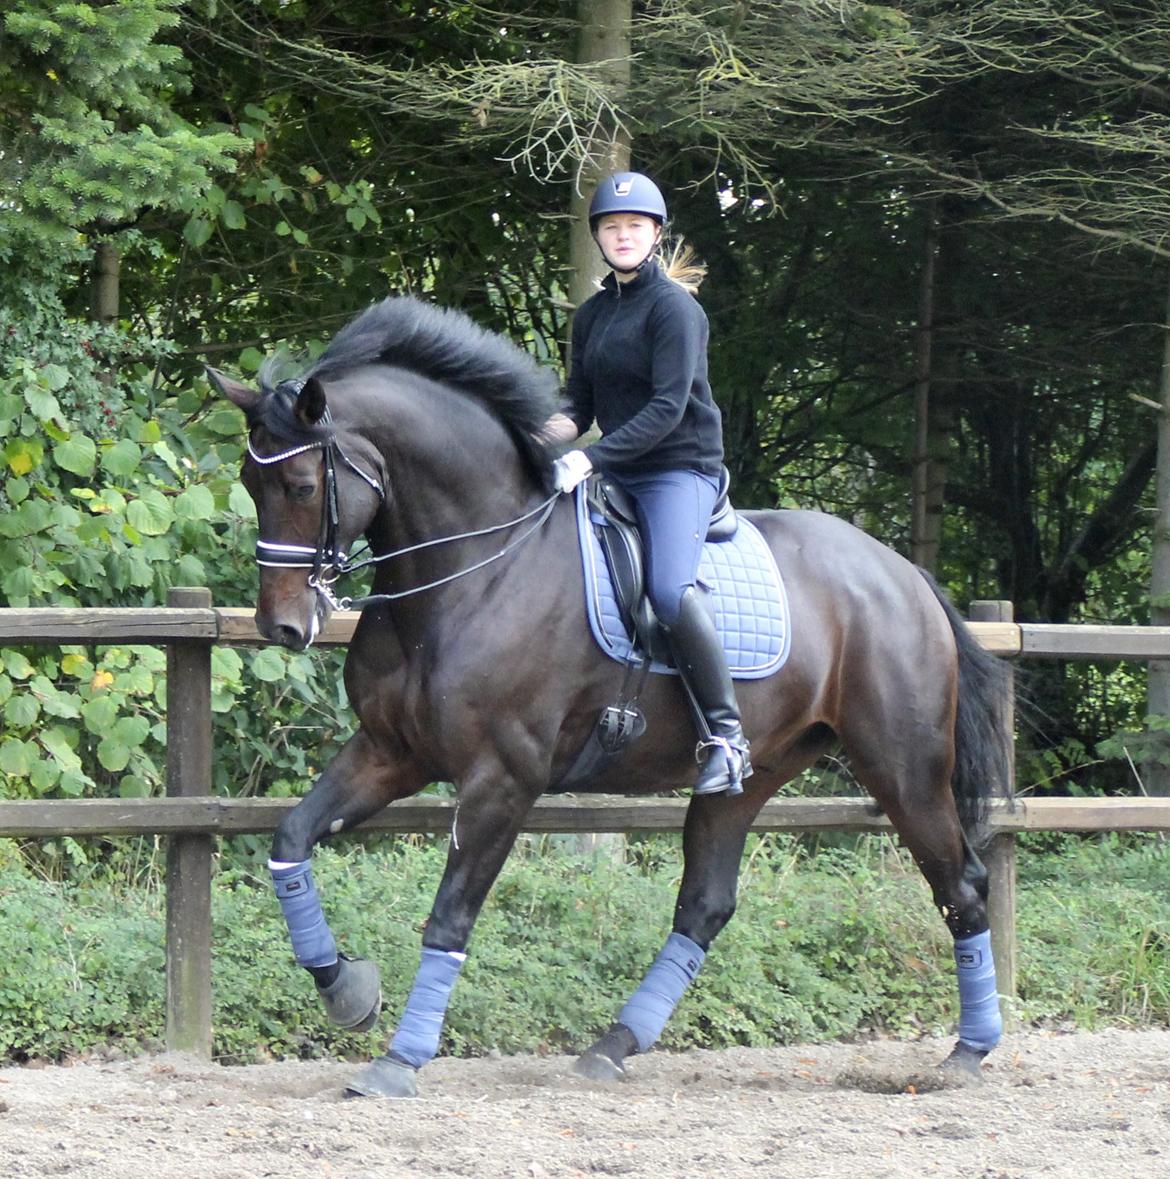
622 187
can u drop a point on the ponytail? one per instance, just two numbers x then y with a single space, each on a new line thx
681 265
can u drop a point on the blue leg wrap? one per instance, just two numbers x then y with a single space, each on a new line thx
312 939
651 1004
980 1023
417 1039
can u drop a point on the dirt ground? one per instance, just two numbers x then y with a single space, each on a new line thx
1050 1104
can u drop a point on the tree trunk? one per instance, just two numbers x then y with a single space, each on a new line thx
104 294
923 534
604 36
1156 776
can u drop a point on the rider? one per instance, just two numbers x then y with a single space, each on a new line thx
639 365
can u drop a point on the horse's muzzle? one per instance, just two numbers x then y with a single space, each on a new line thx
291 616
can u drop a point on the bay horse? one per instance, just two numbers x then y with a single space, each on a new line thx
472 664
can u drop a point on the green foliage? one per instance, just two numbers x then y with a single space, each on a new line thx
81 969
1141 746
87 118
96 509
840 944
1094 931
110 495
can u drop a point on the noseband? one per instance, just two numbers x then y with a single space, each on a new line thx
328 554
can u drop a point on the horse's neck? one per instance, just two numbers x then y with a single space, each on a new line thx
452 468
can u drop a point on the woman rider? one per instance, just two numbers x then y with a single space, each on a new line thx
639 366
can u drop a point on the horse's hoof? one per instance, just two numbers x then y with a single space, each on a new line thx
965 1061
354 998
384 1077
594 1066
603 1060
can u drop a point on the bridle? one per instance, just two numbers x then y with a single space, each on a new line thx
328 561
327 554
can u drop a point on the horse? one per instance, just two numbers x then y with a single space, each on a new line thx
471 663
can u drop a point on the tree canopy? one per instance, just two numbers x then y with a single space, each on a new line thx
936 236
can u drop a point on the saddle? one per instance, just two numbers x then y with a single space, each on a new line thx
613 508
611 515
747 596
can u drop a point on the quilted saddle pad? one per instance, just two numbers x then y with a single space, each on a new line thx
751 606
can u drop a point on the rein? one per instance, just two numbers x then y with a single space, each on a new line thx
328 554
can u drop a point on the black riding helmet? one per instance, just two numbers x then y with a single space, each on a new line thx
627 192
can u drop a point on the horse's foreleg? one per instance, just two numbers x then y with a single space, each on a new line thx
713 842
358 783
486 823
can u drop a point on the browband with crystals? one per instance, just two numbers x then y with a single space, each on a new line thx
268 459
265 459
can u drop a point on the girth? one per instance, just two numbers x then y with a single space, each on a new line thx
622 545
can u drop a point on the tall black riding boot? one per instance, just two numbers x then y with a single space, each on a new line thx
722 751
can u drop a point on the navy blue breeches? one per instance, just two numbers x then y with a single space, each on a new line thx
674 512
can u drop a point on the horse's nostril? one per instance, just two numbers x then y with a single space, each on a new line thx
285 633
290 636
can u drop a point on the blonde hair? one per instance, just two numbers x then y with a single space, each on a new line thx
681 265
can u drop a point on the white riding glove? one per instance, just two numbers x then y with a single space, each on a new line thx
570 469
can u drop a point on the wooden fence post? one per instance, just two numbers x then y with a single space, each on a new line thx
1000 855
189 856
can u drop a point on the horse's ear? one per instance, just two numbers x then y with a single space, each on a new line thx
236 392
311 406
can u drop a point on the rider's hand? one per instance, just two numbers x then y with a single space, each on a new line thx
570 469
558 430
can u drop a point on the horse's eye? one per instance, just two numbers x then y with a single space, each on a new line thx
301 492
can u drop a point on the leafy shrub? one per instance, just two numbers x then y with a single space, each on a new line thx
80 969
823 947
109 495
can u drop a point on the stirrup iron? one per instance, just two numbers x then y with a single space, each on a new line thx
735 758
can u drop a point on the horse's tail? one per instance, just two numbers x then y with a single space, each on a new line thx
983 738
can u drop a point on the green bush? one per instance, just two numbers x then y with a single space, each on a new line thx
81 968
110 493
838 944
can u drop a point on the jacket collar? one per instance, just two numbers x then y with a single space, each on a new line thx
648 276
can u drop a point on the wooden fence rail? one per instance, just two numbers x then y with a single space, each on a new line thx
192 818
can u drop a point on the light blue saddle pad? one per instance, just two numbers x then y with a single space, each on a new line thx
751 606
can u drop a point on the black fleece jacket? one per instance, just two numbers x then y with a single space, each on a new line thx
639 366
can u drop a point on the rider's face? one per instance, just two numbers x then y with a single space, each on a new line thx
626 239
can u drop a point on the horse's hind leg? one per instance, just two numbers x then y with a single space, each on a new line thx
358 783
909 774
959 883
713 841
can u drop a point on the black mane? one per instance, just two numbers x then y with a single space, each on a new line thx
439 343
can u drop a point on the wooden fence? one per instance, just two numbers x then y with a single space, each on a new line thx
191 817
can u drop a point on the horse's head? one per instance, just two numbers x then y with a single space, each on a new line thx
313 500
